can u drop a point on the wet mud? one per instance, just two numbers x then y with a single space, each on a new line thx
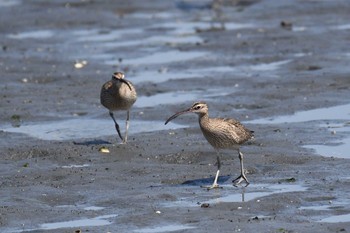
280 67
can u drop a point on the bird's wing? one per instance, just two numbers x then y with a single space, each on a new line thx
107 85
236 126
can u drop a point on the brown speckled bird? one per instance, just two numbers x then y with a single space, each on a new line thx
221 133
116 95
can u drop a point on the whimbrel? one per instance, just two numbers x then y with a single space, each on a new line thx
221 133
118 94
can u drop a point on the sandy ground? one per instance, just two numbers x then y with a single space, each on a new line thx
251 68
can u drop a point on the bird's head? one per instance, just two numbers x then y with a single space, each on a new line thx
200 108
119 77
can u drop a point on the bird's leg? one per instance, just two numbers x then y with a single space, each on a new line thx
215 183
126 126
242 176
116 125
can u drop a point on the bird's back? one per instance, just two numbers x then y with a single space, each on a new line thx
224 133
117 95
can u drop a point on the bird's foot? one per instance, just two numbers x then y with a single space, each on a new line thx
239 180
210 187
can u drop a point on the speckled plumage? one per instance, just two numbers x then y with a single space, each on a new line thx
116 95
221 133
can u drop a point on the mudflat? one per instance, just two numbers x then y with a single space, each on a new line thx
280 67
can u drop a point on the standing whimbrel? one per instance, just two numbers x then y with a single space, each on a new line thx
118 94
221 133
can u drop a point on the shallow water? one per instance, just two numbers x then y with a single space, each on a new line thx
161 58
185 28
342 150
339 148
98 35
342 27
336 219
159 76
76 166
102 220
230 193
258 192
40 34
166 75
84 128
88 222
87 127
7 3
165 98
88 208
180 97
167 228
269 66
330 206
340 112
155 40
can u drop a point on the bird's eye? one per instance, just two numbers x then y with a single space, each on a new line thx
197 107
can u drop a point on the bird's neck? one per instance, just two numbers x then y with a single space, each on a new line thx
203 117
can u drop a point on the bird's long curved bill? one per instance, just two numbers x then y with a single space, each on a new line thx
176 115
126 82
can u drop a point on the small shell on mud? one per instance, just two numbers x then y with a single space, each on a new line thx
158 212
80 64
103 150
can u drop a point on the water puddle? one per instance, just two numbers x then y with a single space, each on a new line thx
94 208
76 166
84 128
185 28
180 96
170 39
342 27
259 191
40 34
336 219
342 150
334 205
316 208
98 35
299 29
7 3
339 149
153 15
168 228
269 66
87 208
161 58
341 112
252 192
160 76
163 76
102 220
156 40
245 68
165 98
